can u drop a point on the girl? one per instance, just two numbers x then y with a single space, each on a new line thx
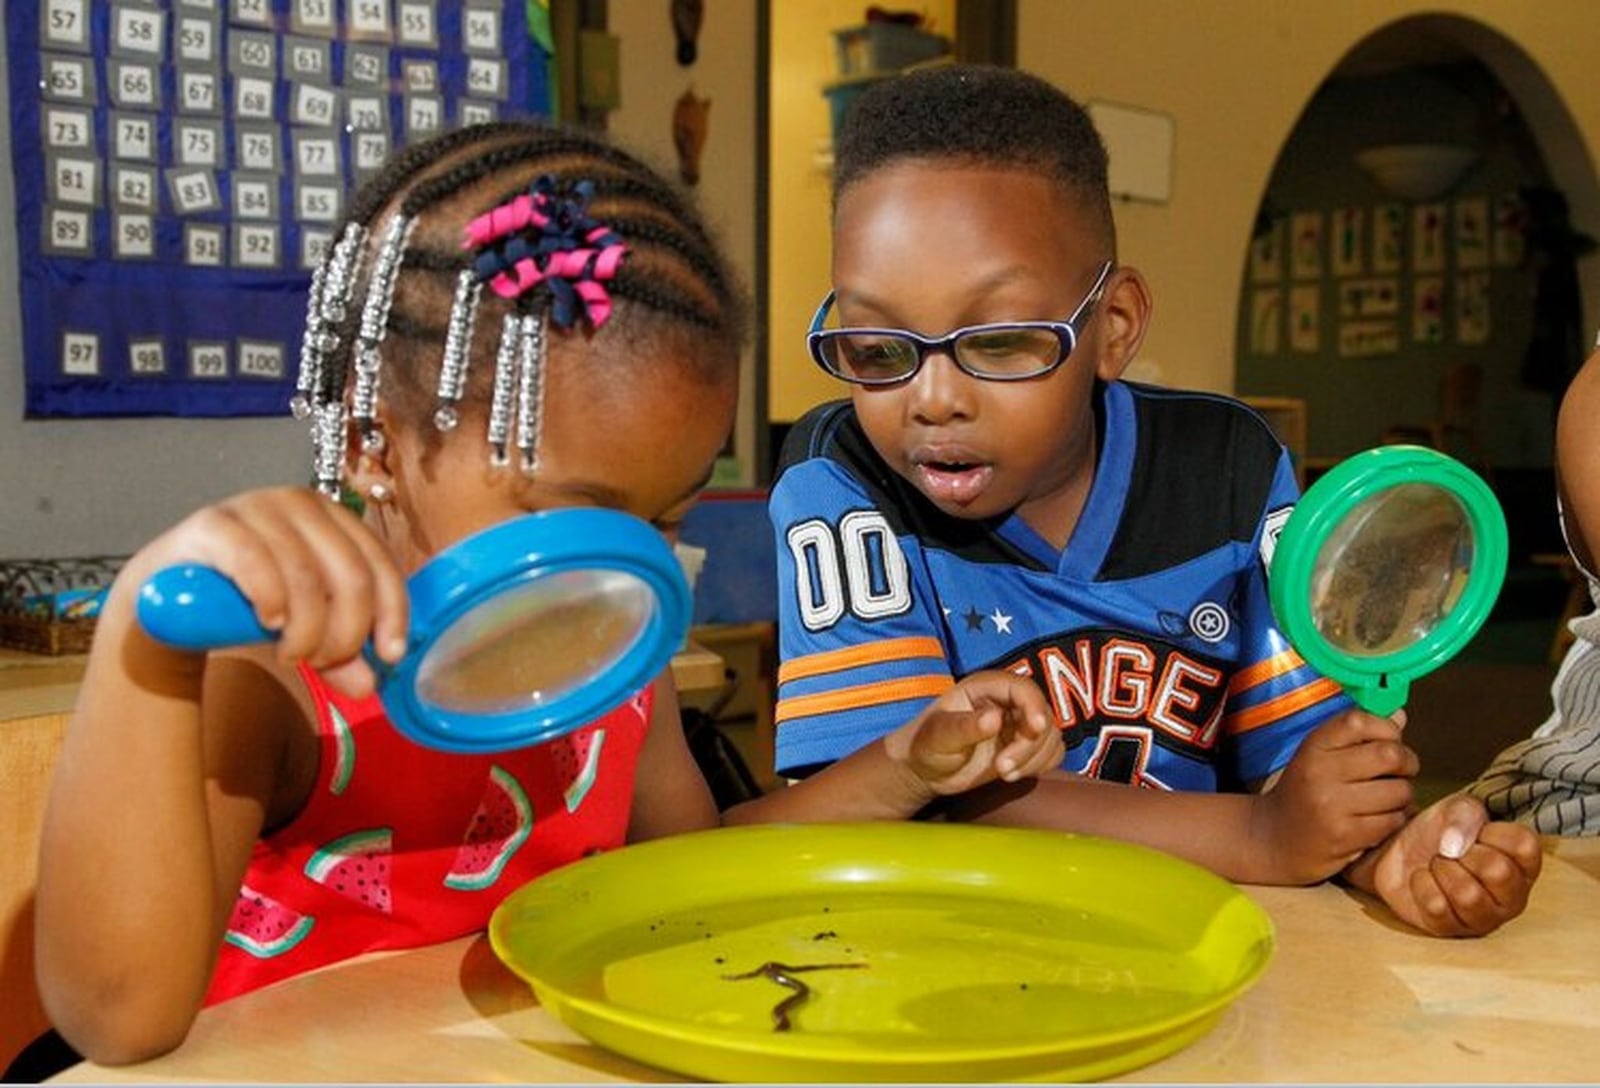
219 821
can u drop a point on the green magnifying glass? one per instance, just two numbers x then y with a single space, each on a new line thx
1387 567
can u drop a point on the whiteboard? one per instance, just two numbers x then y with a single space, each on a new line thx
1139 144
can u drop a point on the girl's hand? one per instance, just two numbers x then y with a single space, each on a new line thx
314 573
1346 790
990 725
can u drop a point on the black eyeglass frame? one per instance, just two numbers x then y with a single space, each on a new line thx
1067 333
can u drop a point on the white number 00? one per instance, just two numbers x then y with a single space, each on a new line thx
861 570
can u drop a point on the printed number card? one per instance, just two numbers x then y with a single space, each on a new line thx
181 166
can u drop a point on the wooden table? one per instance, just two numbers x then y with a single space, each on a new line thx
1349 997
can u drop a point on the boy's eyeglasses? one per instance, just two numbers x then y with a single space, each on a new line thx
1005 351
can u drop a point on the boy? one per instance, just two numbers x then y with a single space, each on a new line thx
992 497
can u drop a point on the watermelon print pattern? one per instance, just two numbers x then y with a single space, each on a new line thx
344 753
357 866
501 825
264 927
577 758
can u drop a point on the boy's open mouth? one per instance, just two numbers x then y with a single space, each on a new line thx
954 482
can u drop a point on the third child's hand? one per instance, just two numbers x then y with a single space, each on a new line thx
1452 873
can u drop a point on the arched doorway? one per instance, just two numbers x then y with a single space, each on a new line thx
1434 296
1391 304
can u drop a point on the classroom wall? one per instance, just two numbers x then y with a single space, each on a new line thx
724 71
74 488
102 487
1457 103
1234 75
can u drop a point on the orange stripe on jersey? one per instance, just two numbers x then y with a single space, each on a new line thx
1262 671
1284 705
862 695
851 657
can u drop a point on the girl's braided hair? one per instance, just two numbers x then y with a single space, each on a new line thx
673 292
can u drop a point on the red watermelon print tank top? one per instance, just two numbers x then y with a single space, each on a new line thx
401 846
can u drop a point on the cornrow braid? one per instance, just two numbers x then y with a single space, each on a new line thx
402 166
672 289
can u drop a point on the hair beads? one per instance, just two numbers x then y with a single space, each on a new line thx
457 343
374 323
323 324
409 355
505 381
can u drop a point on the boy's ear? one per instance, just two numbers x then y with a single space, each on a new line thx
1124 315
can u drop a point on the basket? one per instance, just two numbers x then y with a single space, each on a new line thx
50 606
880 47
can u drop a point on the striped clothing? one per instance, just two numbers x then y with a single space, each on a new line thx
1150 633
1551 781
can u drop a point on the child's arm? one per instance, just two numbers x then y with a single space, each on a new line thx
1578 463
670 795
1345 790
173 762
990 726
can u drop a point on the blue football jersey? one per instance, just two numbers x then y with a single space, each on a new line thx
1151 633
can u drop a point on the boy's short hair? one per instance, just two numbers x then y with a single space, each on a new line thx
979 115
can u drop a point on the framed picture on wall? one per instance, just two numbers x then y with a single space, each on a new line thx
1305 332
1266 320
1472 308
1346 244
1427 238
1305 255
1472 232
1510 230
1364 339
1427 310
1266 254
1388 237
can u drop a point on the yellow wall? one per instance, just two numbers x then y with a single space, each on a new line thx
1234 74
803 63
724 72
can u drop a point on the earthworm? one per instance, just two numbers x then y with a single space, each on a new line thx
782 973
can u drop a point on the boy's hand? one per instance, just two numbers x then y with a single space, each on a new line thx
990 725
1452 873
1347 789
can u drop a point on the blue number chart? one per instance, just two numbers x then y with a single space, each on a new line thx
181 165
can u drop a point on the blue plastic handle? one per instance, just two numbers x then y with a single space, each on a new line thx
197 608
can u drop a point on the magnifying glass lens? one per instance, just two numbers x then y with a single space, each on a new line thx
1392 569
535 643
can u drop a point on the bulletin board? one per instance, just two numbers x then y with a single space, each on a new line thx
181 166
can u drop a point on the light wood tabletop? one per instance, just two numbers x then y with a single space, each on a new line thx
1350 996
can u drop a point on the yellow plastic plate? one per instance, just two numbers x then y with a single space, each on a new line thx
985 953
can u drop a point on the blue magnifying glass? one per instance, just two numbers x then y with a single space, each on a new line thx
519 633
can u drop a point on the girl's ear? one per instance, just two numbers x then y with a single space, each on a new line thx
1124 315
368 473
